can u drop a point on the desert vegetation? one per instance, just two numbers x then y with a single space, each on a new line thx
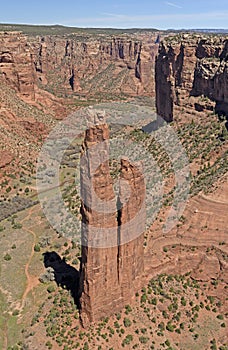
182 301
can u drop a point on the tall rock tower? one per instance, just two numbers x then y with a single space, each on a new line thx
112 228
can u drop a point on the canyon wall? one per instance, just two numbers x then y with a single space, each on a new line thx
95 65
44 78
190 65
101 66
112 260
16 65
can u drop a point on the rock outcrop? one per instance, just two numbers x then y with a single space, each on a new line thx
112 231
191 66
18 71
5 158
131 220
16 63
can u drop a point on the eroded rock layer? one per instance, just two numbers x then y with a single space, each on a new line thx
131 228
78 64
16 63
112 239
191 66
119 65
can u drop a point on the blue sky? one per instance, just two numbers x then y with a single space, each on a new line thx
118 13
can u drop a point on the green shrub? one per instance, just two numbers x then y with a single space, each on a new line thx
75 261
15 313
116 324
220 317
154 301
127 322
143 298
118 316
143 330
86 346
51 289
128 308
7 257
143 340
161 326
37 248
183 301
17 226
127 340
169 327
49 345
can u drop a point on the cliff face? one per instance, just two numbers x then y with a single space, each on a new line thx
110 267
211 74
48 77
95 65
191 66
131 220
16 63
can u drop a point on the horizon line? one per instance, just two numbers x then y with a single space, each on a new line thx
114 28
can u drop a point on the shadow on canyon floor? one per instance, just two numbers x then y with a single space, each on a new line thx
65 275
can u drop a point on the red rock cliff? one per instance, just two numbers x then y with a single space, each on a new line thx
112 252
191 66
96 64
16 63
100 66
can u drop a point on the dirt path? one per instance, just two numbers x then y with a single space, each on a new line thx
32 281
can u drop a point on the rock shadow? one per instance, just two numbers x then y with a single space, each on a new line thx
65 275
154 125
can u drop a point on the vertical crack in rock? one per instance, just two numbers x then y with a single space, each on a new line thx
119 212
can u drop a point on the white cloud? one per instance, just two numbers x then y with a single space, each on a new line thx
163 21
173 5
115 15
